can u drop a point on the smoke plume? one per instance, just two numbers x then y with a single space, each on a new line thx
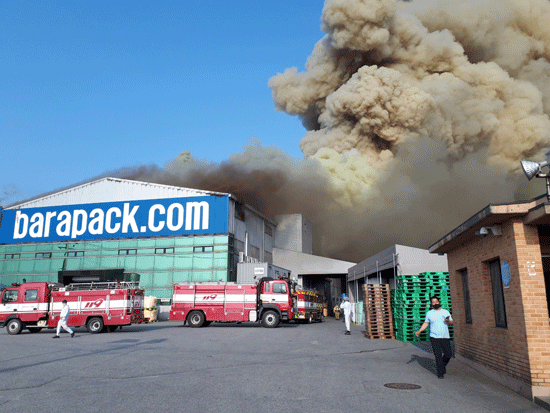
8 192
416 116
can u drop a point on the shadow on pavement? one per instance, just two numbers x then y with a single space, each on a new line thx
247 324
427 363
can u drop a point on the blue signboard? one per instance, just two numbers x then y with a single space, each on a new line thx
505 273
108 220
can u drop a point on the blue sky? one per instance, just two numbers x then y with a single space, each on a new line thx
93 86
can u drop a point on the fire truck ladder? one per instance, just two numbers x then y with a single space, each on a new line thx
110 285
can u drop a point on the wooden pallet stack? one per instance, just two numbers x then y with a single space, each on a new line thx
378 314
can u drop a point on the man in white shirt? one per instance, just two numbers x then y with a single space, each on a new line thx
63 317
346 307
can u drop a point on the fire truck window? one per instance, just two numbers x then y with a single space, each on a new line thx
279 288
31 295
10 296
266 287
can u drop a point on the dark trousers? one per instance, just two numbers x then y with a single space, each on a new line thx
442 352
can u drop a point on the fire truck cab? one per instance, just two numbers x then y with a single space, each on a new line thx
24 304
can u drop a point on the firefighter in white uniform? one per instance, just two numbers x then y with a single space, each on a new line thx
346 307
63 317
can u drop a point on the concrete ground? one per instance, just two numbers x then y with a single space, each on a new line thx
165 367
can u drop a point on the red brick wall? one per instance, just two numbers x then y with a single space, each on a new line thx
522 350
534 302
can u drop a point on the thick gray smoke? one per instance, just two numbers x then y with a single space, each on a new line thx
417 115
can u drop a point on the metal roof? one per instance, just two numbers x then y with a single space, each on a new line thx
534 212
111 189
308 264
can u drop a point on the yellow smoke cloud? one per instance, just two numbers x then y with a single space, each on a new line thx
470 74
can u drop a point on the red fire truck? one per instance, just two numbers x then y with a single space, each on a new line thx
310 306
98 306
269 301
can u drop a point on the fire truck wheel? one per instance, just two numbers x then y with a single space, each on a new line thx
95 325
196 319
310 319
270 319
34 329
14 326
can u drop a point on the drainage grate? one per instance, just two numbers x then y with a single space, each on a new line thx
403 386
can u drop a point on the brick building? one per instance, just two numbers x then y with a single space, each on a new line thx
499 270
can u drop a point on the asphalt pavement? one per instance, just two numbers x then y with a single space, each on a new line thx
166 367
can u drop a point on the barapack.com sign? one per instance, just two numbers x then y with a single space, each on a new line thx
108 220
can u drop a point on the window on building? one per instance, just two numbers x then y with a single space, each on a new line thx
208 248
498 294
12 256
164 250
43 255
546 272
466 293
127 252
74 254
10 296
31 295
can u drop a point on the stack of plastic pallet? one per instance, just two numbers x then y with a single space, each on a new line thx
439 287
378 314
411 302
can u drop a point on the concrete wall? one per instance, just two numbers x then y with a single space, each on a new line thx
293 233
518 355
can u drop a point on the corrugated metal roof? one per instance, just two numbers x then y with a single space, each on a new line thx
111 190
490 215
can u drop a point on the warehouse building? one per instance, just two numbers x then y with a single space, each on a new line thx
383 267
116 229
499 274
